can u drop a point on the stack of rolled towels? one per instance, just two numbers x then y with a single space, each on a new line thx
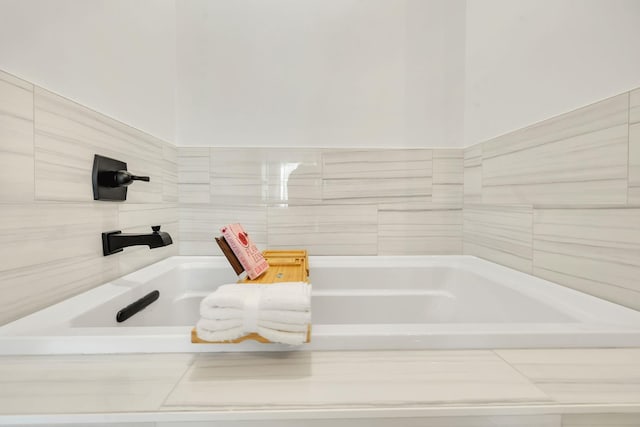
279 312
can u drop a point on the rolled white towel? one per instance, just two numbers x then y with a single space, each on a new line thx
219 325
291 338
219 335
295 296
281 316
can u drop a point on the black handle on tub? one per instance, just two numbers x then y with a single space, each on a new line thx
137 306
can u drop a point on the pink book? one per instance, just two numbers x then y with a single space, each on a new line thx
245 250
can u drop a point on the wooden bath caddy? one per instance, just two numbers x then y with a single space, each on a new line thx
284 266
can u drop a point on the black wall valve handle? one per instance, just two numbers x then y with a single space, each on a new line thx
110 179
119 178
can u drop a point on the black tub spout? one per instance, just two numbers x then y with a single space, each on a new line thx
114 241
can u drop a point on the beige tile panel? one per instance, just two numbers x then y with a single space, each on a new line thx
371 176
16 139
634 104
601 420
448 166
324 230
194 193
200 224
502 234
28 289
377 163
578 157
299 380
67 135
634 164
419 229
193 165
32 234
473 174
169 173
579 376
238 176
448 193
593 250
88 384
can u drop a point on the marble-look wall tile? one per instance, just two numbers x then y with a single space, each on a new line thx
448 176
238 176
39 233
419 229
501 234
578 157
67 135
349 380
169 173
601 420
634 148
634 106
371 176
93 384
593 250
575 376
200 224
16 139
38 240
194 175
473 174
324 230
27 289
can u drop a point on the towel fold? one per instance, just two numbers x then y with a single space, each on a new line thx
293 296
279 312
282 316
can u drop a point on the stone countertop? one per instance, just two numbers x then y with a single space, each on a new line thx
339 385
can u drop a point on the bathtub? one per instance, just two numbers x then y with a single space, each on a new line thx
408 302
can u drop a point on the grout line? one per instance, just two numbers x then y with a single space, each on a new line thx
179 380
530 380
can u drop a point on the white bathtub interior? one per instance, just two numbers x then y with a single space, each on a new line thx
357 303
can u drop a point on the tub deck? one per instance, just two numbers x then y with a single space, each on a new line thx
358 303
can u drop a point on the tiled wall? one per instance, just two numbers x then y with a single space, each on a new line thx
50 227
561 199
332 202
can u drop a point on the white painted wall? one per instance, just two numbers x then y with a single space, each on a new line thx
528 60
328 73
115 56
